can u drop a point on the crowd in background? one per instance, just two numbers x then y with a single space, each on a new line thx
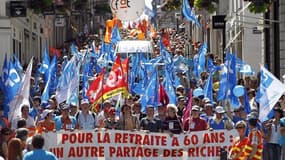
255 139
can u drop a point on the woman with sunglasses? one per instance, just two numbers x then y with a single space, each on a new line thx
237 149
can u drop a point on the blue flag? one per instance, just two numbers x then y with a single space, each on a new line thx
246 104
86 70
18 65
115 36
11 86
169 89
202 59
270 90
150 96
211 67
188 14
208 89
53 75
231 59
50 82
45 63
222 93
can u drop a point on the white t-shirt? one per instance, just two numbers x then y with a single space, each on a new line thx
29 122
275 134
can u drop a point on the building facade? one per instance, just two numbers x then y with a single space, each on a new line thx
24 36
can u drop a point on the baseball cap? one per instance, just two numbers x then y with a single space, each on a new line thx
195 108
219 109
84 101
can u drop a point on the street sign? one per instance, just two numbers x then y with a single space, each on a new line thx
75 12
49 11
59 21
18 9
219 21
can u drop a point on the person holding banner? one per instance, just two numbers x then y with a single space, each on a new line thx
128 121
172 122
86 120
195 122
111 122
237 150
65 121
150 123
219 121
47 124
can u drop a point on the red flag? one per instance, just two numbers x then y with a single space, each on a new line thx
163 97
125 67
188 109
115 83
95 92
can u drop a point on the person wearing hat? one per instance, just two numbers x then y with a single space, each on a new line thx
172 123
219 121
180 90
111 122
65 121
195 122
5 135
254 146
273 134
73 109
237 150
86 120
208 111
47 124
150 123
36 110
30 122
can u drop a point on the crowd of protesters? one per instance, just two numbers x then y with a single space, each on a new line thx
21 138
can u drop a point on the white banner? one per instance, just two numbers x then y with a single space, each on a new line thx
114 144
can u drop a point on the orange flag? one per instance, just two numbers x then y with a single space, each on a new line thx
108 32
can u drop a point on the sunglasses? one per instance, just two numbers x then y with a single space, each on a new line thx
239 127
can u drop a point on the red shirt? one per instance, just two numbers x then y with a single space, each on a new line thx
196 124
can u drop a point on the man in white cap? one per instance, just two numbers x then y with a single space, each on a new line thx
219 121
195 122
86 120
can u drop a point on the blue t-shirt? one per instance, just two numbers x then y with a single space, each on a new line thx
39 154
59 124
34 112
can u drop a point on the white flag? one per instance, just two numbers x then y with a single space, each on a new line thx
69 81
270 90
23 94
